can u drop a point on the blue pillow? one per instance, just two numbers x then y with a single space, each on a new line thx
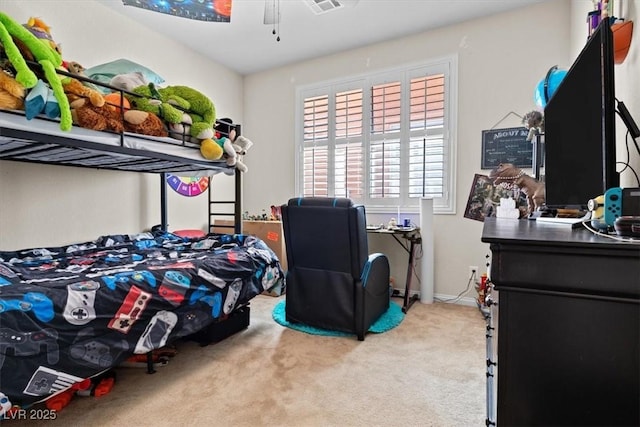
103 73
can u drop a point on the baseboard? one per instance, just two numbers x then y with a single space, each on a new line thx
468 301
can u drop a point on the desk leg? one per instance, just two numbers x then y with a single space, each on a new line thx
409 300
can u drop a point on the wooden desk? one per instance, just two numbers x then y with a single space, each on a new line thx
412 235
569 325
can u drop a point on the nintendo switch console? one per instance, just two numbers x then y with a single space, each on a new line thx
615 203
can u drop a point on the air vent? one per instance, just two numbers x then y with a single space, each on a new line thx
324 6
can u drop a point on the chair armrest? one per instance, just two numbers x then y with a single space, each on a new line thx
376 274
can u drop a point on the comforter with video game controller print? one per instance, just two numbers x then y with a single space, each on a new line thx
71 312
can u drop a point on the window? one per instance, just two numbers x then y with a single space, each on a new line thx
383 140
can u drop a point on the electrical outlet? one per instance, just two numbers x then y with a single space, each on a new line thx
473 271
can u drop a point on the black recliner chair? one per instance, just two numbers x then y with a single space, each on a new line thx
332 281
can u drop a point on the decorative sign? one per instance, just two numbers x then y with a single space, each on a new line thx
506 146
201 10
188 187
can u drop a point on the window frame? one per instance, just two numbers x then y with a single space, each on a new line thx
447 65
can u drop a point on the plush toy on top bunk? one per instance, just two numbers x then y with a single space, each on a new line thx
11 92
144 123
116 116
13 35
234 146
114 113
189 113
89 116
73 88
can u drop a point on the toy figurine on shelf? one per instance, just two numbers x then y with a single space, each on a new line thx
276 214
533 121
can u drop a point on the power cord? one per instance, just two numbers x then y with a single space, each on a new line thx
461 294
609 236
626 163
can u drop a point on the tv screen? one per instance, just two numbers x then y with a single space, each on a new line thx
580 157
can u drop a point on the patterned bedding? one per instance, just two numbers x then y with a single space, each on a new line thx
71 312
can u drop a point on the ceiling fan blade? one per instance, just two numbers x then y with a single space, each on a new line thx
271 12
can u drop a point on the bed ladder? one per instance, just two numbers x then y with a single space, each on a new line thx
237 205
216 211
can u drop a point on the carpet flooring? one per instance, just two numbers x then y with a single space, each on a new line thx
428 371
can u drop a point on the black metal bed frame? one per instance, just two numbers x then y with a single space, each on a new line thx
39 146
32 146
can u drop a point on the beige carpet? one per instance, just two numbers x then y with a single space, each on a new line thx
429 371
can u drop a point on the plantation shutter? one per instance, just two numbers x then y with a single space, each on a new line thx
315 146
426 136
384 145
349 156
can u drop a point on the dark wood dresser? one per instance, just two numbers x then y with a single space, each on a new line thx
568 341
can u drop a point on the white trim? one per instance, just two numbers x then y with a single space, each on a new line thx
442 298
448 299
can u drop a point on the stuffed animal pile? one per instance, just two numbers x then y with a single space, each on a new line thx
61 90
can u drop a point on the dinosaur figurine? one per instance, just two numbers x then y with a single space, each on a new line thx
507 174
44 54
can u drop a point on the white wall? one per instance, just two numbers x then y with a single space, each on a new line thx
51 205
501 58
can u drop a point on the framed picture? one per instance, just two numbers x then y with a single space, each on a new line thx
484 197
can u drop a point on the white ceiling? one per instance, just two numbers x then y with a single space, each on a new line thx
247 45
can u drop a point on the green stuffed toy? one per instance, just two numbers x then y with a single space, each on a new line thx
46 56
171 103
201 109
151 101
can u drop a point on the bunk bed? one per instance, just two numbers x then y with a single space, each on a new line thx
72 312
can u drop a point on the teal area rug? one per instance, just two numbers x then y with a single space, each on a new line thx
389 320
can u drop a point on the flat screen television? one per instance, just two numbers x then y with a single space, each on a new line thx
580 152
